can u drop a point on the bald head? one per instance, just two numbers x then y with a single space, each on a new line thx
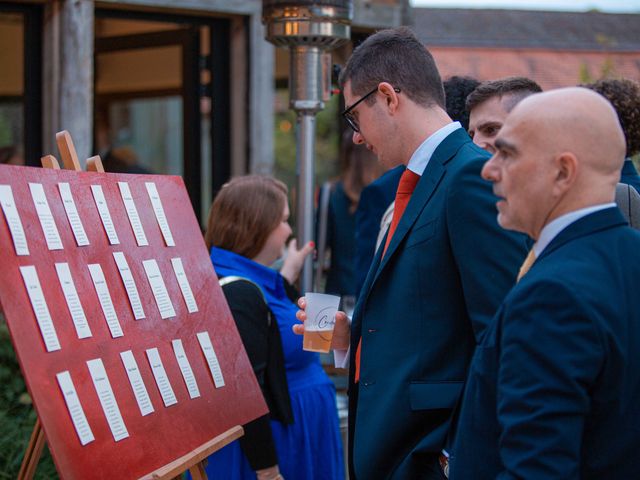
557 152
574 120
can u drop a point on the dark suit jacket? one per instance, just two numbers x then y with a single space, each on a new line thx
629 175
554 390
374 201
341 225
422 310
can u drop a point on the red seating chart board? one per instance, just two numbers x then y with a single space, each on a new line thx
169 432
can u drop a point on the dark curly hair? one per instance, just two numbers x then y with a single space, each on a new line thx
624 95
456 91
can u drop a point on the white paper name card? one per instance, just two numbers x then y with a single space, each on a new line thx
159 289
132 213
187 293
39 304
105 215
159 211
106 303
76 412
13 220
48 224
107 399
185 368
212 358
72 215
73 301
137 384
129 285
159 373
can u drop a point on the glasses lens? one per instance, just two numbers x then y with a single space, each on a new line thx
352 122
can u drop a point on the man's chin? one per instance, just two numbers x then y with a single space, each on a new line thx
508 224
504 222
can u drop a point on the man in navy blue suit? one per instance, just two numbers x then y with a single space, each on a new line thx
377 197
439 275
553 390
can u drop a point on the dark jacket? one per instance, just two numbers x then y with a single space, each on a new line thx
554 390
422 309
261 338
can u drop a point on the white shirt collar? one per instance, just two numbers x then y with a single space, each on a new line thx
553 228
420 158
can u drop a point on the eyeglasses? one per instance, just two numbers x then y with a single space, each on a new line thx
348 115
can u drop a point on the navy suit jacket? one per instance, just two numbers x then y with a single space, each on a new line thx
374 201
554 390
629 175
422 309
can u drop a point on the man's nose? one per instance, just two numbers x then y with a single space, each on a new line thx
490 171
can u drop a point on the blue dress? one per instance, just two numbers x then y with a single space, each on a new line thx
311 447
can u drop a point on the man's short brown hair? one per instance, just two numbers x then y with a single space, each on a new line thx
515 87
395 56
245 211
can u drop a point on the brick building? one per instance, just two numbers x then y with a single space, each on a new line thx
554 48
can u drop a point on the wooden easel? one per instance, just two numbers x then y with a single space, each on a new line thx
194 461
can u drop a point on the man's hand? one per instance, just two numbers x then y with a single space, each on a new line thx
294 260
341 331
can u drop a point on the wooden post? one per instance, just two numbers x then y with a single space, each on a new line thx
33 453
94 164
49 161
68 68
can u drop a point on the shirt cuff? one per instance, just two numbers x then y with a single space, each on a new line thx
341 358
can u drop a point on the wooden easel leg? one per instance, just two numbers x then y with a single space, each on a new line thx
33 453
197 471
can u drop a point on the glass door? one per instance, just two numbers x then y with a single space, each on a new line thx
153 97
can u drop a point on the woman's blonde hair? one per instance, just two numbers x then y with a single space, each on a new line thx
245 211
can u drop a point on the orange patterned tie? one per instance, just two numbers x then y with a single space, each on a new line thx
407 185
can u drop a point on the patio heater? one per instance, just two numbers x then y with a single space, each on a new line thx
309 29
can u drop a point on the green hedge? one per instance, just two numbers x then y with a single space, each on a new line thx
17 415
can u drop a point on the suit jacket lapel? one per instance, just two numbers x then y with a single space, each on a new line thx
427 185
594 222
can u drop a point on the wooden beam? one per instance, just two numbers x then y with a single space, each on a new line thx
94 164
49 161
67 151
33 453
236 7
192 458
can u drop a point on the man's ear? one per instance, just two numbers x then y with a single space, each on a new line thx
391 96
566 170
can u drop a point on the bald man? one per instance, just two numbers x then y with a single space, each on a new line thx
553 390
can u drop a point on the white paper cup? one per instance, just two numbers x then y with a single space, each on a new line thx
321 318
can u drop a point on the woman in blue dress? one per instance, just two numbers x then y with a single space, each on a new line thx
300 438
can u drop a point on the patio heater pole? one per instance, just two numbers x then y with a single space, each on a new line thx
309 29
